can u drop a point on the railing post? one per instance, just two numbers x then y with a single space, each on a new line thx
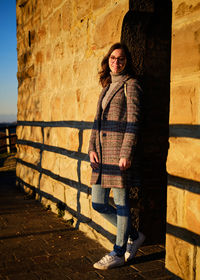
8 140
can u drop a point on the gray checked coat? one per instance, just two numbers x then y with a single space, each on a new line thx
118 124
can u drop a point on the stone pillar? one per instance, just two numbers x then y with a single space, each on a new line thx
183 200
147 32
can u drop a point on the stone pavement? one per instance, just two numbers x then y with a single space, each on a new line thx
37 245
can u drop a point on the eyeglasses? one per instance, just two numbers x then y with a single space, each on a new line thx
121 59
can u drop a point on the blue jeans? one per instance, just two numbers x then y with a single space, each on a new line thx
119 216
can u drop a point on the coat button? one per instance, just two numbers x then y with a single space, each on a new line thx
104 134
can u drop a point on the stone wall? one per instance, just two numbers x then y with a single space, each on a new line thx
183 200
60 45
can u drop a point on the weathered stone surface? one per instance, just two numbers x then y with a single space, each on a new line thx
30 133
64 137
99 4
106 31
186 95
197 261
46 8
185 8
179 258
175 215
29 154
55 25
50 161
82 8
185 45
85 172
67 16
184 157
192 210
28 175
183 209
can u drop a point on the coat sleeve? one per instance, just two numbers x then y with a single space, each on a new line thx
133 99
93 136
92 142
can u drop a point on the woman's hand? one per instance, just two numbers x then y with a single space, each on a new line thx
124 163
94 161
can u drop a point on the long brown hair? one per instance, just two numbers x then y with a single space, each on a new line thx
104 73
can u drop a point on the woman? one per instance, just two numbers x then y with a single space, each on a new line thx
112 148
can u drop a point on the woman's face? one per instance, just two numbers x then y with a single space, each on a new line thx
117 61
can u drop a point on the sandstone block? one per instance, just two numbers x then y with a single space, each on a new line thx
56 3
85 172
175 214
179 257
185 8
30 133
54 78
55 24
41 82
182 160
85 142
29 154
45 105
59 50
86 110
108 26
39 57
64 137
68 168
46 184
69 106
28 175
85 205
67 16
82 7
46 8
42 33
185 45
197 261
56 103
50 161
71 198
59 190
192 212
66 78
184 95
49 53
99 4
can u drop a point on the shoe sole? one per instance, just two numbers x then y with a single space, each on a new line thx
107 267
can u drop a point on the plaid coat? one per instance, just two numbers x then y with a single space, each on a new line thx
118 124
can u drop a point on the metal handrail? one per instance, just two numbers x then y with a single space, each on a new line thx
8 134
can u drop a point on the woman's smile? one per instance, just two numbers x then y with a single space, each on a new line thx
117 61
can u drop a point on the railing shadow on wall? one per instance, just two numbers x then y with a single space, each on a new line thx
190 132
78 185
185 131
77 155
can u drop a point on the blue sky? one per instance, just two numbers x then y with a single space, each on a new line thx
8 59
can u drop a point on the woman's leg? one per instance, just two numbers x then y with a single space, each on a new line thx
100 202
124 225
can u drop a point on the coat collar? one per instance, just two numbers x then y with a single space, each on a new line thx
114 91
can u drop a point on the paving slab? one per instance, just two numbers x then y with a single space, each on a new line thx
35 244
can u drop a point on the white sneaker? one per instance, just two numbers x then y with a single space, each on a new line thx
110 260
133 245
